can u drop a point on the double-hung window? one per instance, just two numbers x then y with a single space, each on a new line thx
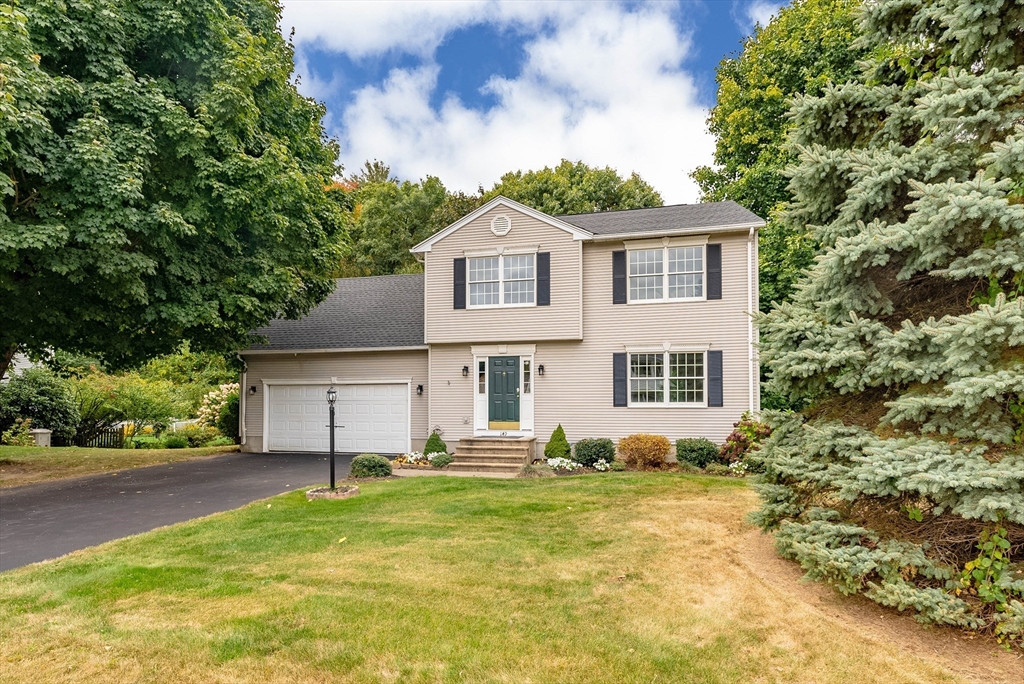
509 280
666 273
666 378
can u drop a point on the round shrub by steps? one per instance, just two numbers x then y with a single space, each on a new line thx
370 465
441 460
700 452
590 451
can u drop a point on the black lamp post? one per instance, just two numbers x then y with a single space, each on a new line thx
331 397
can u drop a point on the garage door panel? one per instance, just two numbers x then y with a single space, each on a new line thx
370 417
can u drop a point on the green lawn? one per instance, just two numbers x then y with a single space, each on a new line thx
621 577
25 465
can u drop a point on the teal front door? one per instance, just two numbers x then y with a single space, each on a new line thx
503 393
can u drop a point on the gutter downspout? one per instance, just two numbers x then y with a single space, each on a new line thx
243 390
750 322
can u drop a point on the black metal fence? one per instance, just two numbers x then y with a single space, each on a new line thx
111 438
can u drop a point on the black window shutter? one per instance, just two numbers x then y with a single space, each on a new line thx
619 278
619 379
714 257
714 377
460 283
543 278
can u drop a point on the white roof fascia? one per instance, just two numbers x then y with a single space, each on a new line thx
676 231
340 350
576 232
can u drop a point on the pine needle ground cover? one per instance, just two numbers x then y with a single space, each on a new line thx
25 465
620 577
904 477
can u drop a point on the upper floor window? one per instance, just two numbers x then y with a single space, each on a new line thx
666 273
502 280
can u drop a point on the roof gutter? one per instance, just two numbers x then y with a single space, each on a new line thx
676 231
337 350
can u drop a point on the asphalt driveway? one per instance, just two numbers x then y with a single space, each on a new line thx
51 519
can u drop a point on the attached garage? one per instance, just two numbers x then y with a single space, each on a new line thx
368 418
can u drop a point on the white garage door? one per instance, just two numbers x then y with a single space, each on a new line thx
369 418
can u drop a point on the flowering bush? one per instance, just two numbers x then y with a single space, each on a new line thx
738 468
746 437
18 433
214 401
559 463
413 458
602 465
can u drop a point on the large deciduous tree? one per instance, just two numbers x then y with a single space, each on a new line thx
807 46
161 178
904 479
575 188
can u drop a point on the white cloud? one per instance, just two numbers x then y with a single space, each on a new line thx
758 12
603 84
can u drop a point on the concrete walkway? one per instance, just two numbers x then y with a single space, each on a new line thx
51 519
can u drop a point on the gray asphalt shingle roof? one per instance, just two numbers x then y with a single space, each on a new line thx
379 311
664 219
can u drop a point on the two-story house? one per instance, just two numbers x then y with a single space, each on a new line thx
609 323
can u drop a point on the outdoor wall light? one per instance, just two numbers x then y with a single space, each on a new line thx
540 369
419 390
465 371
252 389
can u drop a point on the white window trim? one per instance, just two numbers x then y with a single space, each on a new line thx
664 351
665 244
501 254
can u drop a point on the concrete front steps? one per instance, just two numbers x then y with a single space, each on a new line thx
492 455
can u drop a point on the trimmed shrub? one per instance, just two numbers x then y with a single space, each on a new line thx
558 445
46 399
227 421
435 444
370 465
441 460
175 441
644 451
590 451
700 452
617 466
719 469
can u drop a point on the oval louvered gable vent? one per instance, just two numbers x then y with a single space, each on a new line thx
500 225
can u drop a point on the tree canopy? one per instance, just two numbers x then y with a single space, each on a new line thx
575 188
162 179
807 46
388 216
904 478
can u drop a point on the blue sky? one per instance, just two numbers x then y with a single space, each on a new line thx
468 90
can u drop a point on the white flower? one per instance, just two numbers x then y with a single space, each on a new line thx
602 465
563 464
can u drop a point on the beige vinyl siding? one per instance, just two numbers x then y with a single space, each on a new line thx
451 404
560 320
576 388
400 366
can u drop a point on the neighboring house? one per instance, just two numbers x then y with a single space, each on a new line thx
19 363
608 323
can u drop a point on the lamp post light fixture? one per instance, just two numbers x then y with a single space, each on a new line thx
332 396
